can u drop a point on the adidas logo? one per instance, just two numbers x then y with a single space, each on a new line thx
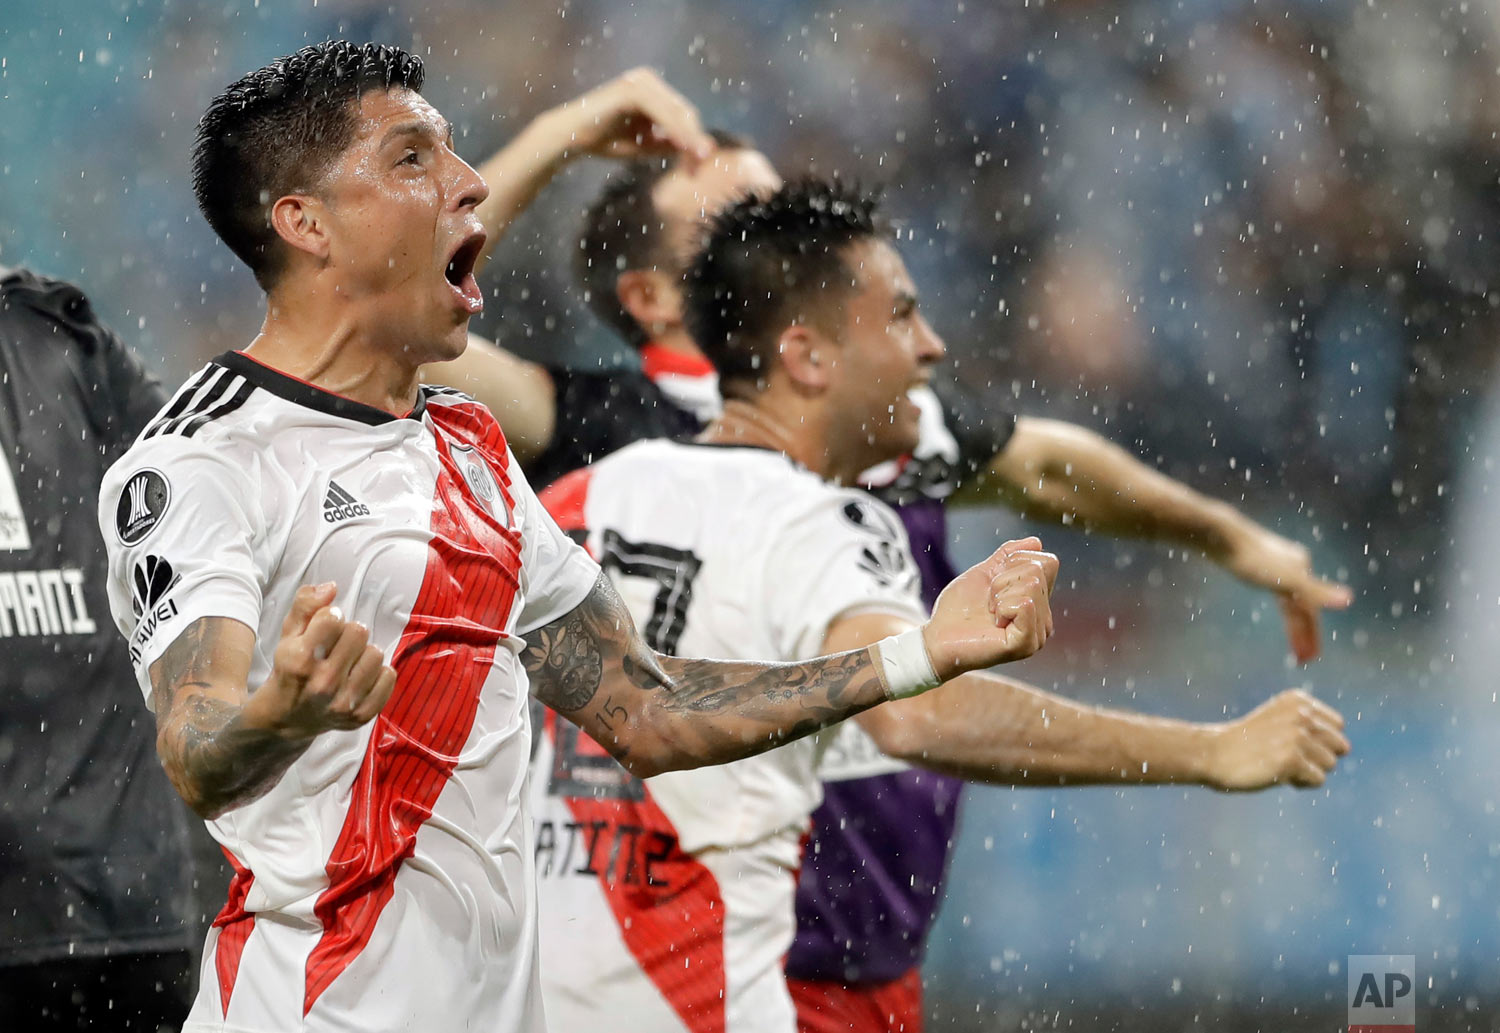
338 505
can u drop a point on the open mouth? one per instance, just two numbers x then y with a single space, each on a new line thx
460 273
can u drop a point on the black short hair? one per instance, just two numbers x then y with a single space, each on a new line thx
276 130
764 260
622 230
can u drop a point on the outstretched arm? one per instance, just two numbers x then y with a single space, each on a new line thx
991 729
657 713
1065 473
222 745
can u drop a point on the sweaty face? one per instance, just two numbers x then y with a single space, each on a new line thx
886 348
403 234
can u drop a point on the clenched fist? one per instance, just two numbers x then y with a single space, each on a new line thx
1291 738
996 611
325 674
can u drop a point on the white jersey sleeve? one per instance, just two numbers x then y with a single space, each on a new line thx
846 553
182 532
557 573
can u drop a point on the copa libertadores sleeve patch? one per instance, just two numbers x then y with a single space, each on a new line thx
142 503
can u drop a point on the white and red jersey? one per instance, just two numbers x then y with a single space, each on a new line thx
386 881
668 904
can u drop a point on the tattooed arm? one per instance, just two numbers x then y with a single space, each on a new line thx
223 746
657 713
198 692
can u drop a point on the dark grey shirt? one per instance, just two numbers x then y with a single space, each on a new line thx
94 852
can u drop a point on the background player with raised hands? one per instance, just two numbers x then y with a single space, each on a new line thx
303 511
669 904
637 239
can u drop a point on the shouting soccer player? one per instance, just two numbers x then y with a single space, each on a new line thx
336 587
668 904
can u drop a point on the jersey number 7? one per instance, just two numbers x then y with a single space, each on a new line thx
673 570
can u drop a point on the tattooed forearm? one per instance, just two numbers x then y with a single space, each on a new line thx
213 759
723 710
667 713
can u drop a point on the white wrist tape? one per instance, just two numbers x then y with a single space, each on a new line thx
906 667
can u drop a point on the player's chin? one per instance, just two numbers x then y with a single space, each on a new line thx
908 423
454 339
901 436
438 335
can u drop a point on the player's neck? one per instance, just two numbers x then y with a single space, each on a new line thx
335 354
798 432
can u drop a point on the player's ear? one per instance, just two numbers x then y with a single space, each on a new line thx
298 221
652 299
807 356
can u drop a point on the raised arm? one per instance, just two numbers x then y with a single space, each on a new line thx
223 745
656 713
1065 473
990 729
632 115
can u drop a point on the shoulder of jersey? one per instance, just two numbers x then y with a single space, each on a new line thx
867 514
210 395
691 455
189 428
760 475
16 280
138 487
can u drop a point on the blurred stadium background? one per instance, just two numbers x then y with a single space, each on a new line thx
1258 242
